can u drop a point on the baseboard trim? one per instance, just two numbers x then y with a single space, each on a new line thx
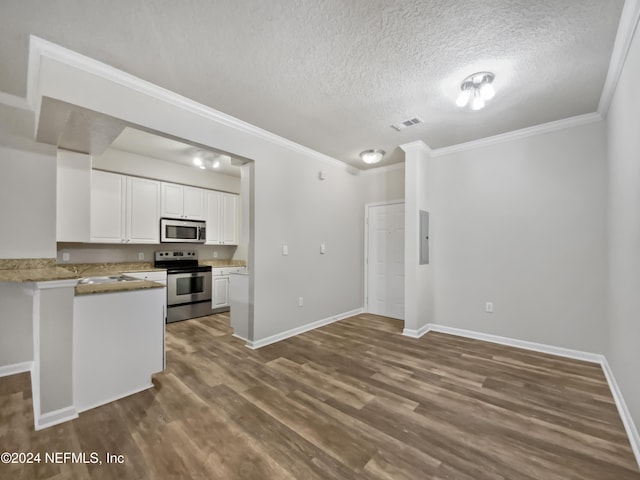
15 368
408 332
623 410
254 345
116 397
56 417
621 405
513 342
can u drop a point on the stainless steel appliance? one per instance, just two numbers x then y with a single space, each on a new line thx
173 230
188 285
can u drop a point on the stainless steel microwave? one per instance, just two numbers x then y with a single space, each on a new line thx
173 230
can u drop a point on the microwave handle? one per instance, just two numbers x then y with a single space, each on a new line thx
202 235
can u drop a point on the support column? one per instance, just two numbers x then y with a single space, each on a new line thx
419 279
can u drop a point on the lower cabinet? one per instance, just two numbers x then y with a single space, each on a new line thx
220 286
220 294
118 344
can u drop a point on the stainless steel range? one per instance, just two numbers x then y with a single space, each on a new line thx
188 284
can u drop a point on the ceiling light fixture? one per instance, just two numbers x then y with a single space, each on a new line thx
372 155
216 164
478 88
197 159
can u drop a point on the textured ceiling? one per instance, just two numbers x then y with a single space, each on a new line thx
334 74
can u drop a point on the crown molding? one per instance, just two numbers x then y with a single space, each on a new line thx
382 169
39 49
626 30
519 134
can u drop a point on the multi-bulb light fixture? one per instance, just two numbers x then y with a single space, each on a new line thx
478 89
201 159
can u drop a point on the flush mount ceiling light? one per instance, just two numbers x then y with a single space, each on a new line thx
198 159
478 89
372 155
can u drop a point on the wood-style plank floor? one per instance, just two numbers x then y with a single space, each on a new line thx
354 399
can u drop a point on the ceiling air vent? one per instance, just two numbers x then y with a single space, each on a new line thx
407 123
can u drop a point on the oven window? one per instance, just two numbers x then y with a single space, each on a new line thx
189 285
179 232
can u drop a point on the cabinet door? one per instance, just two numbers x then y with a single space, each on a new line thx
107 207
172 200
73 202
143 210
220 293
229 219
214 205
193 203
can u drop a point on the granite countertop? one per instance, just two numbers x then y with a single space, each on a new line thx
223 263
28 270
115 287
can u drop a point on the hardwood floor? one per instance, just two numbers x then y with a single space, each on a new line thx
354 399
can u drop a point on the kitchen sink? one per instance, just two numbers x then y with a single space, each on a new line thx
107 279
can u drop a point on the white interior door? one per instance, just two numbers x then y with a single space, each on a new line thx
385 260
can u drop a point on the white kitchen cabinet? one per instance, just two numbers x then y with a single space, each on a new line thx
73 193
220 294
222 218
108 194
124 209
118 344
180 201
220 285
143 211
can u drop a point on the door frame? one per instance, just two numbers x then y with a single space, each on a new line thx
367 208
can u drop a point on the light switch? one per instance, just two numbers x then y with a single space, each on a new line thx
322 249
285 250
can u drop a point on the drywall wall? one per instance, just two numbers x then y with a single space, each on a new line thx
306 213
16 324
623 306
27 190
105 253
382 184
522 224
138 165
419 279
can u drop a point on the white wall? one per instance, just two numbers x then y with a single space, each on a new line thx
27 189
382 184
522 224
16 325
138 165
623 157
419 279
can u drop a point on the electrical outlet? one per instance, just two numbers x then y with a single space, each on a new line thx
140 255
488 307
66 257
285 250
300 301
215 254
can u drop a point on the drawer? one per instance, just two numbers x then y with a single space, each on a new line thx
216 272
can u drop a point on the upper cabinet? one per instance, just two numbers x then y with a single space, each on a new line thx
124 209
103 207
108 192
222 218
179 201
143 210
73 187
